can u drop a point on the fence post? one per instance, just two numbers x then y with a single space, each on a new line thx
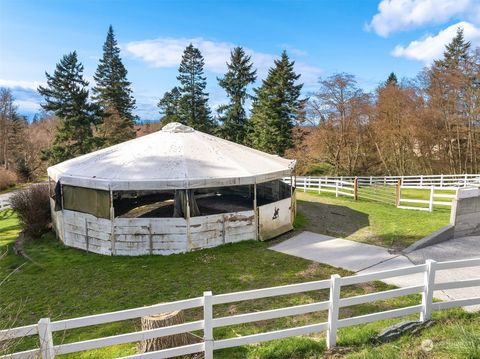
371 180
336 188
441 180
427 294
430 203
207 324
333 311
319 185
465 182
398 192
355 188
304 184
421 180
46 339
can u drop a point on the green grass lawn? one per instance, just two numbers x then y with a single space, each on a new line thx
424 194
367 221
9 227
66 283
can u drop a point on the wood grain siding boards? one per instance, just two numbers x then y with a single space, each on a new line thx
143 236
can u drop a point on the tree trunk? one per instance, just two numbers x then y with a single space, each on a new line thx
165 320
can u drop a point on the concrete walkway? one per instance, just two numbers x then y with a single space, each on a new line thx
365 258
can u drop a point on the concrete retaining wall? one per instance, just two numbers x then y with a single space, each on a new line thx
464 220
465 215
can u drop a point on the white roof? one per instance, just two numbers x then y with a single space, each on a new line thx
175 157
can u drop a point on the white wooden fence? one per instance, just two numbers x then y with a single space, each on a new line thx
462 180
390 189
4 204
44 328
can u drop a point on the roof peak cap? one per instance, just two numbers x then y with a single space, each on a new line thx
176 127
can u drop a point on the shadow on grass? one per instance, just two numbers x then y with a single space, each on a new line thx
330 219
13 227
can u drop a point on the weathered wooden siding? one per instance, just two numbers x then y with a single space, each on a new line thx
57 220
141 236
85 231
275 218
214 230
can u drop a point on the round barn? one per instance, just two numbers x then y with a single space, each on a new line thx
172 191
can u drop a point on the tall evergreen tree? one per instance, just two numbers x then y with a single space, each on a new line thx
194 110
12 127
239 76
275 108
113 94
456 52
392 79
66 95
169 106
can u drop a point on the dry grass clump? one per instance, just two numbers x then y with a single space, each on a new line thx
7 179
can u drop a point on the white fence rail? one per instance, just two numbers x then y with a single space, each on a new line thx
49 350
441 189
4 204
463 180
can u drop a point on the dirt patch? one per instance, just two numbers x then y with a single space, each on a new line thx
337 352
311 270
330 219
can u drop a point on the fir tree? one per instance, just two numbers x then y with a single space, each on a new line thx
240 74
66 95
169 106
392 79
456 52
194 110
276 108
113 95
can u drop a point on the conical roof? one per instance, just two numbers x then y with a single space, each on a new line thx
173 158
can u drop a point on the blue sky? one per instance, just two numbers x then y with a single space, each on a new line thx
364 37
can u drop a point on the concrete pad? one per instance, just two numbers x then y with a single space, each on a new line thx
454 249
336 252
395 263
365 258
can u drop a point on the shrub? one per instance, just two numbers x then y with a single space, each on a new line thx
7 179
33 208
24 173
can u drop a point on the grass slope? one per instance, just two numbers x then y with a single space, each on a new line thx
9 227
70 283
366 221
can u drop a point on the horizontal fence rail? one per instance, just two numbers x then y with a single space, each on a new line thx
421 193
4 204
49 350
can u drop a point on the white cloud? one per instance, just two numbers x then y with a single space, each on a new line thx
398 15
432 47
294 50
25 106
167 53
26 85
